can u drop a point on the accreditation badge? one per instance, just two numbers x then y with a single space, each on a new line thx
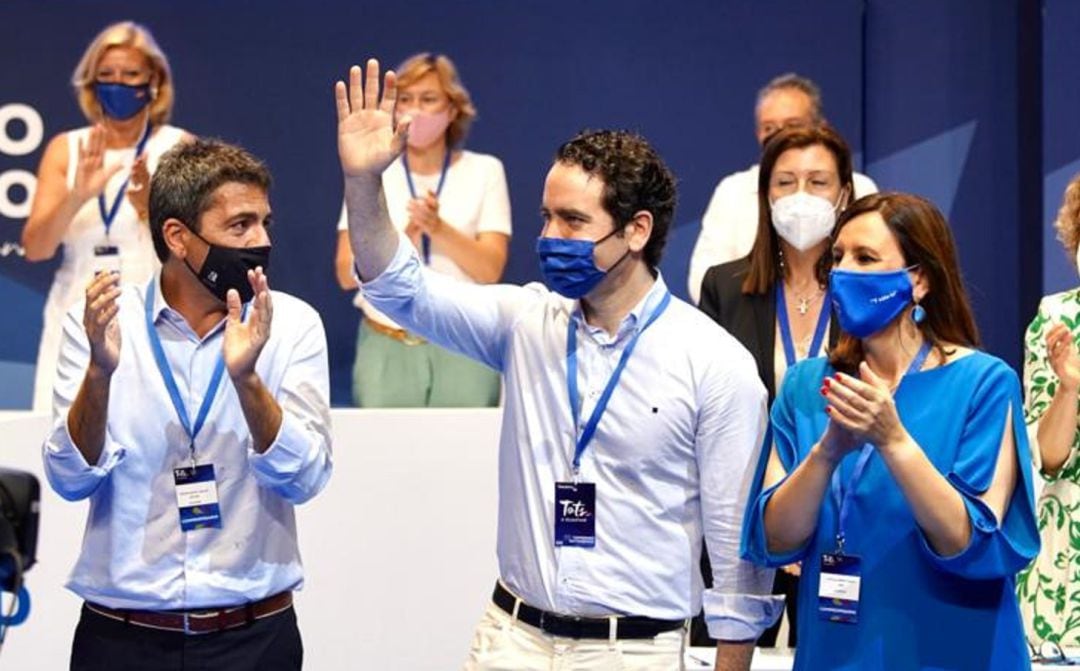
197 497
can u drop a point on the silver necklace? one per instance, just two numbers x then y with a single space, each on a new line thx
803 303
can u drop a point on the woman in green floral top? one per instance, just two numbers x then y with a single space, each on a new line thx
1049 589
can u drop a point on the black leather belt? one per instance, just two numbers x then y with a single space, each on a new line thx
568 626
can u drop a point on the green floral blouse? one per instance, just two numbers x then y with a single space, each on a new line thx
1049 588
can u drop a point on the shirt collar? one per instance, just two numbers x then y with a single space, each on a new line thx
637 315
159 305
161 310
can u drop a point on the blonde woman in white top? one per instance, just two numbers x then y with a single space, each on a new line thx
93 182
454 205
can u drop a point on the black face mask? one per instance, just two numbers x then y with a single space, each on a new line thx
227 267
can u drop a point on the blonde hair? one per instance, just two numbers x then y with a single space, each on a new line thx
416 67
1068 217
124 34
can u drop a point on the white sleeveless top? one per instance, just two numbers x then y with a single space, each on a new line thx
86 231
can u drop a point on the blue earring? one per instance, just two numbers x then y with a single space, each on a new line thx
918 314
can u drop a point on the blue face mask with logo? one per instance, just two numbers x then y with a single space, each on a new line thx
569 267
867 302
121 101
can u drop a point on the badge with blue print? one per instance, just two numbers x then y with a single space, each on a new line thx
838 591
575 514
197 498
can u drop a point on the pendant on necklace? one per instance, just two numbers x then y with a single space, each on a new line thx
804 306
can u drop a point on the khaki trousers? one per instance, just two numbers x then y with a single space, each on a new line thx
503 643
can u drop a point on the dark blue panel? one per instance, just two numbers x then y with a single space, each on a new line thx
260 73
935 71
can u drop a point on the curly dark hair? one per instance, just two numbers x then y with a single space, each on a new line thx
184 183
635 179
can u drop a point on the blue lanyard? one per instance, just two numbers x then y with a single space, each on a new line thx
842 495
785 326
425 239
170 381
601 404
110 215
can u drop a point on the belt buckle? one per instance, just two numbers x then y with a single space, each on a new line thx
187 624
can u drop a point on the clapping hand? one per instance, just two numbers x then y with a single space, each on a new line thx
244 340
91 175
864 407
138 189
1064 359
99 320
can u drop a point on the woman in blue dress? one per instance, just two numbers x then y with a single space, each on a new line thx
894 475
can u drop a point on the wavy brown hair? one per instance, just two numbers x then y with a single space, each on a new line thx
765 267
926 241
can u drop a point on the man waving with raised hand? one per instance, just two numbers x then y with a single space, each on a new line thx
632 423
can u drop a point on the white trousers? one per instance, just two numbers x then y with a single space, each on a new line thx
503 643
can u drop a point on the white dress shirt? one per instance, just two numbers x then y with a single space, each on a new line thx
730 223
672 458
134 554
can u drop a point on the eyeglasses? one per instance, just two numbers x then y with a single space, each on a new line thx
1050 653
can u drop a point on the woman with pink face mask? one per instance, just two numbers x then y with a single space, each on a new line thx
454 206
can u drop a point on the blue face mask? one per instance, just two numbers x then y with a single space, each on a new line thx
867 302
120 101
569 267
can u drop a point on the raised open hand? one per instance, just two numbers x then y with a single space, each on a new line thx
138 188
99 320
244 340
367 139
91 175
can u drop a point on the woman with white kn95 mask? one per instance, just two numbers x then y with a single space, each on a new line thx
775 301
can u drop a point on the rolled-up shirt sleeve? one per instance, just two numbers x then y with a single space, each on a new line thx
66 469
472 319
739 606
298 464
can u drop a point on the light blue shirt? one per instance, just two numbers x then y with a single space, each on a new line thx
672 459
134 554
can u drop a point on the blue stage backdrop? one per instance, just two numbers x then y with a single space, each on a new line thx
926 91
1061 141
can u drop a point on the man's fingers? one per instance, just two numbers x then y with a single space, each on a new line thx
371 86
356 90
102 299
107 315
100 283
341 101
389 97
232 302
401 131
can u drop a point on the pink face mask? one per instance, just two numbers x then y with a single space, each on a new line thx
427 128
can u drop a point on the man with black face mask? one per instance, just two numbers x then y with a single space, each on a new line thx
190 556
631 426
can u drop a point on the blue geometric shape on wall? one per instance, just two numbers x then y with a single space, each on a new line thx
16 392
931 168
20 329
1059 273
